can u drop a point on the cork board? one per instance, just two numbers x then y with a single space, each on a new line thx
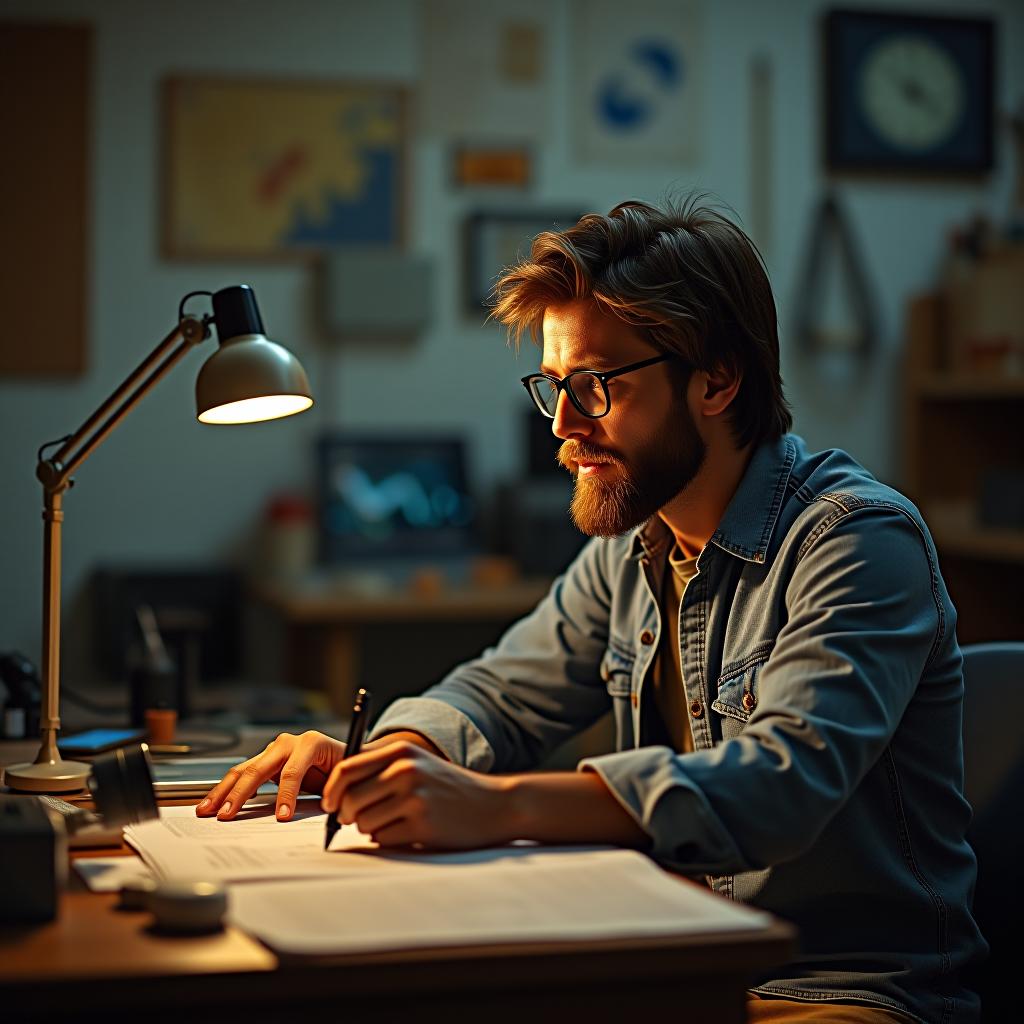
44 182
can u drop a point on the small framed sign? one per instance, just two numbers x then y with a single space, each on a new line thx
491 166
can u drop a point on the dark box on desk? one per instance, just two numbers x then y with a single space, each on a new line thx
33 849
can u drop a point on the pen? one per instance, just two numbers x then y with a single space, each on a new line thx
356 732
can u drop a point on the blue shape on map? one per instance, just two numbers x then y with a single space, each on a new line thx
366 218
665 65
624 108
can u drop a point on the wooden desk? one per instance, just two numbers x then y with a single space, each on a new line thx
325 627
96 961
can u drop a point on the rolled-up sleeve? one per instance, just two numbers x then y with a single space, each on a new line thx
539 685
862 619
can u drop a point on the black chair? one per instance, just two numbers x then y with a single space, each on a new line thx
994 782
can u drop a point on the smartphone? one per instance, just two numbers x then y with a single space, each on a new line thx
95 741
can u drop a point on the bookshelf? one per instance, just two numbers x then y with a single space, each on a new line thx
959 429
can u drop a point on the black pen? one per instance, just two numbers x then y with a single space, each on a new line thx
356 732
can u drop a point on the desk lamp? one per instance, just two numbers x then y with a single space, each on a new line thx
247 379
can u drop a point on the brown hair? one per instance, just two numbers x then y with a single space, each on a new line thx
686 276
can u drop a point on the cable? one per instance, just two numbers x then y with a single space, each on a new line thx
51 444
229 738
181 305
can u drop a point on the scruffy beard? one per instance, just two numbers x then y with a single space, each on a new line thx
635 489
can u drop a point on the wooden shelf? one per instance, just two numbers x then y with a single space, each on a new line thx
948 386
956 531
960 427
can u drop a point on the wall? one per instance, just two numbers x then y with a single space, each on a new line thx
166 490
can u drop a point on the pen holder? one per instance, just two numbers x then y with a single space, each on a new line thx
153 685
160 724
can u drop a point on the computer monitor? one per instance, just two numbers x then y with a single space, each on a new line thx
393 497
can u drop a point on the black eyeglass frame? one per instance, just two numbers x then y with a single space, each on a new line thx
602 375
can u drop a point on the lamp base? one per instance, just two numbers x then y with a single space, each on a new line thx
48 777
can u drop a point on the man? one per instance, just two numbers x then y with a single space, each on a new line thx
767 625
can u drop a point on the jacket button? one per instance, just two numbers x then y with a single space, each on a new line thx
647 638
696 708
749 700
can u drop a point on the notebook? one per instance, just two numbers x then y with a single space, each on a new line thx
195 776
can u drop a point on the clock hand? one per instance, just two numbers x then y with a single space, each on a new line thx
916 95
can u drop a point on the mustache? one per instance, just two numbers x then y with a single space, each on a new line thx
573 452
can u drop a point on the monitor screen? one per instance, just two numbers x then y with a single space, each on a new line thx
384 497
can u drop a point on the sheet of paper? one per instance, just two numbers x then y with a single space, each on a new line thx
254 846
524 895
108 874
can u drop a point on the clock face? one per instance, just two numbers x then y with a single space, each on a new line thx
911 92
907 93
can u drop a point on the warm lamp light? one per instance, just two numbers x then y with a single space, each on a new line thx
247 379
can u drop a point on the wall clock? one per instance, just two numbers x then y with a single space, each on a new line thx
908 93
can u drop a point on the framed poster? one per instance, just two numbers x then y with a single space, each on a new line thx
484 70
636 90
280 168
495 240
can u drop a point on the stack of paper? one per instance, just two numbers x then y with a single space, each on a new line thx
255 846
299 899
535 895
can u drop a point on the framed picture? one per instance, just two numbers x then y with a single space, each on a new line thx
636 89
484 70
497 166
267 169
908 93
495 240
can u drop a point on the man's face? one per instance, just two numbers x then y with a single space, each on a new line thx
631 462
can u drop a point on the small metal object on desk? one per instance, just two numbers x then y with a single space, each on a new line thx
135 895
188 907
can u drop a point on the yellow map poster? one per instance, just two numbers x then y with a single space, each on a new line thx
265 169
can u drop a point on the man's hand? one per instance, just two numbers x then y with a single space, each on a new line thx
400 794
295 763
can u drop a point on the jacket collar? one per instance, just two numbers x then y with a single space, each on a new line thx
749 520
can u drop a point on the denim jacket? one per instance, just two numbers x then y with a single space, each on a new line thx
823 681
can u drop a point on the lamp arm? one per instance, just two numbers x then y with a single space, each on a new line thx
55 472
55 476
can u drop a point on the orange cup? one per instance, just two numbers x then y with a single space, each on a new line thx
160 724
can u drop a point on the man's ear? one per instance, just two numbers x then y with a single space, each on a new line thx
721 386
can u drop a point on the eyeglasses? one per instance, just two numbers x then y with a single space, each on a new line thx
587 389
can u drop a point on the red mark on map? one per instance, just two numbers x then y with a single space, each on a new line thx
275 179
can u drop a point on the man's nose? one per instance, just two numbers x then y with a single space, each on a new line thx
569 421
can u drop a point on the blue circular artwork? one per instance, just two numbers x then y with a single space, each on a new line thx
627 101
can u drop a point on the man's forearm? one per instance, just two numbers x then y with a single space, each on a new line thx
549 807
568 807
416 738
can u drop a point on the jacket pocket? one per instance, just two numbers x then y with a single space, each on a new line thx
738 688
617 673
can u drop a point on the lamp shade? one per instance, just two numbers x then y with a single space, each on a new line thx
249 378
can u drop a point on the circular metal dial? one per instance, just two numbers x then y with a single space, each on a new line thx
911 92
